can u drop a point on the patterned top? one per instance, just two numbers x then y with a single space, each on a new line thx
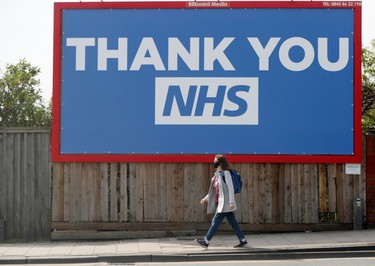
216 186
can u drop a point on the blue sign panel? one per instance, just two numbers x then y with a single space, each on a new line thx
207 81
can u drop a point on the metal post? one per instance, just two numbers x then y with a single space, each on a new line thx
358 213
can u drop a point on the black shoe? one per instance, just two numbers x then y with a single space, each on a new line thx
201 242
241 244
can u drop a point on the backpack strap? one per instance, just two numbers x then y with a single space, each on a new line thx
223 175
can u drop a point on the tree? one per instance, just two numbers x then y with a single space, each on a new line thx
368 87
21 103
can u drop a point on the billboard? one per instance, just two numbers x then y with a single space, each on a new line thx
180 81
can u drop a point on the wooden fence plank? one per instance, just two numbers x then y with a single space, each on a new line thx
246 196
195 195
278 199
95 199
332 188
301 193
307 192
171 187
269 193
58 192
3 178
31 175
79 199
340 191
24 184
17 189
164 192
75 193
147 187
314 199
294 200
348 197
323 206
45 177
132 192
113 192
9 213
67 192
85 191
256 194
38 192
189 181
173 190
104 202
72 192
275 179
179 192
139 188
199 191
124 193
91 191
288 187
155 170
244 199
251 194
202 179
262 193
148 177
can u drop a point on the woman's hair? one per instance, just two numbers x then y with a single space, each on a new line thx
225 165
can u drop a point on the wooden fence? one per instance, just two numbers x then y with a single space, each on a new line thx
114 200
25 186
119 200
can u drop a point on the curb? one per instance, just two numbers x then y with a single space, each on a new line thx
287 254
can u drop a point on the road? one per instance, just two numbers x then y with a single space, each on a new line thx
307 262
370 261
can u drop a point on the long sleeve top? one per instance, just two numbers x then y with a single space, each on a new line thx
226 194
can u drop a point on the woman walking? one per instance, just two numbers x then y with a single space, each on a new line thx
221 201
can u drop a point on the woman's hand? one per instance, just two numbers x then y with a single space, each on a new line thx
231 206
203 201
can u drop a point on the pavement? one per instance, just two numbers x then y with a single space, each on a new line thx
300 245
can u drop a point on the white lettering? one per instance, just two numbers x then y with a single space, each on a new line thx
305 62
121 54
212 54
147 46
343 54
175 49
206 101
148 54
263 53
80 44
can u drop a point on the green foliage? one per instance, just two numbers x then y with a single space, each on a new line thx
21 103
368 87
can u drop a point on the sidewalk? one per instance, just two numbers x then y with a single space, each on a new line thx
261 246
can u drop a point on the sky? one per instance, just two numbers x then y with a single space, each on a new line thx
26 32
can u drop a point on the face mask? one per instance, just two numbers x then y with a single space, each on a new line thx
216 164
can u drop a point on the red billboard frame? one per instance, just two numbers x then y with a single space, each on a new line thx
57 156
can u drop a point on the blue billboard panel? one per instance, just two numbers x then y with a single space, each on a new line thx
175 81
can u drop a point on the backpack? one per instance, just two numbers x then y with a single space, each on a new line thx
236 180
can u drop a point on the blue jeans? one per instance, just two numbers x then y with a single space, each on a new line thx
216 221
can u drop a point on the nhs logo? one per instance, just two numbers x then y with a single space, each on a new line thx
206 101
